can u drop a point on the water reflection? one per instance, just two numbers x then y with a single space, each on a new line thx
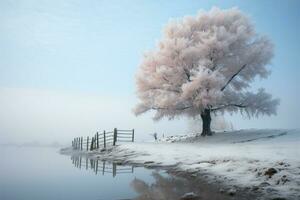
102 167
167 187
162 186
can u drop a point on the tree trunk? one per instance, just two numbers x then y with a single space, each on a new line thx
206 119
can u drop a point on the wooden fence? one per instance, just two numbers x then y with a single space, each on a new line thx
102 140
103 167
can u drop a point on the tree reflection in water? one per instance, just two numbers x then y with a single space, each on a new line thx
172 188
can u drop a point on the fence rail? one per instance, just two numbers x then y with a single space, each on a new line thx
102 140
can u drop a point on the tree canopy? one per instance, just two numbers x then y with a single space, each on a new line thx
207 61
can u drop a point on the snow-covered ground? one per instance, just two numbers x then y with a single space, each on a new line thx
265 160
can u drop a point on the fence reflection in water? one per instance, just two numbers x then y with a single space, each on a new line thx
101 167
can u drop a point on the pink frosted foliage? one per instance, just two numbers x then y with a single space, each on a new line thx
207 61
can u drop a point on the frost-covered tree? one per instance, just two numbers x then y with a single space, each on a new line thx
205 64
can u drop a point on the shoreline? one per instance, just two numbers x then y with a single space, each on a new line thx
205 186
260 163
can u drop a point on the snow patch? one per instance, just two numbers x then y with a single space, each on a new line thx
236 158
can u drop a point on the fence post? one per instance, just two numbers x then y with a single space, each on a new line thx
75 143
115 136
87 143
81 140
91 148
132 135
97 140
94 143
104 139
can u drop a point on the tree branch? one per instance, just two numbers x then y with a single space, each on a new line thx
188 76
165 89
164 77
228 105
160 108
234 75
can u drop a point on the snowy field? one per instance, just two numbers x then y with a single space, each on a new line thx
264 160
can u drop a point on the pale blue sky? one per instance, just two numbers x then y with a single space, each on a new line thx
60 52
